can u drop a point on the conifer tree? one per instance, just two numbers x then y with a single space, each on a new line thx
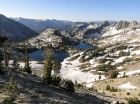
10 87
7 53
56 68
27 67
48 65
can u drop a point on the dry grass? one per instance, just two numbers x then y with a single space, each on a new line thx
121 93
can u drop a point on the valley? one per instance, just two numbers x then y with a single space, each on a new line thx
101 59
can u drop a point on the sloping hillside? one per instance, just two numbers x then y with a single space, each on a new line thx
15 31
33 90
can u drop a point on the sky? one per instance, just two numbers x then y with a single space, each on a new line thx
73 10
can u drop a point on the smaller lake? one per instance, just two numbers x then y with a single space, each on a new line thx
83 45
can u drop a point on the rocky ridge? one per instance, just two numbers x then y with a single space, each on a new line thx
15 31
52 38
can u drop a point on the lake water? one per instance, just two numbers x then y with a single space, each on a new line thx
37 55
83 46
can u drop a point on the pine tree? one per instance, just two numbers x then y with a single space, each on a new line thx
10 87
48 66
7 53
56 67
27 67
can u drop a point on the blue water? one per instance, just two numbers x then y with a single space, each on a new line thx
83 46
37 55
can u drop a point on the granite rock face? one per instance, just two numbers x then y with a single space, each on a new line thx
53 38
124 24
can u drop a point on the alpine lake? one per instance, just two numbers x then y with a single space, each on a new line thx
61 55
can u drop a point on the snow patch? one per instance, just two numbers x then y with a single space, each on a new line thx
127 86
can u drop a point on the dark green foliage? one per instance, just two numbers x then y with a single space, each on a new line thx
127 59
8 100
133 100
55 80
124 53
10 87
56 67
128 93
27 69
105 67
107 87
112 89
79 85
93 89
50 65
103 60
69 85
121 47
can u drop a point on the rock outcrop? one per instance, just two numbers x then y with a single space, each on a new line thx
53 38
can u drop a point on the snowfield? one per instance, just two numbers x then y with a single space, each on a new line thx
127 86
128 73
72 71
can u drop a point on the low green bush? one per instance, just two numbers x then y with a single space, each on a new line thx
69 86
107 87
133 100
8 100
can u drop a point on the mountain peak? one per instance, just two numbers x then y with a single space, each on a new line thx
122 25
105 23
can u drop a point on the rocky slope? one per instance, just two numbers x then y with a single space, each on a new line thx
104 29
119 51
52 38
33 89
15 31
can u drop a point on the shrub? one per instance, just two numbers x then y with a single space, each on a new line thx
113 89
133 100
107 87
93 89
8 100
10 87
69 86
55 80
128 93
